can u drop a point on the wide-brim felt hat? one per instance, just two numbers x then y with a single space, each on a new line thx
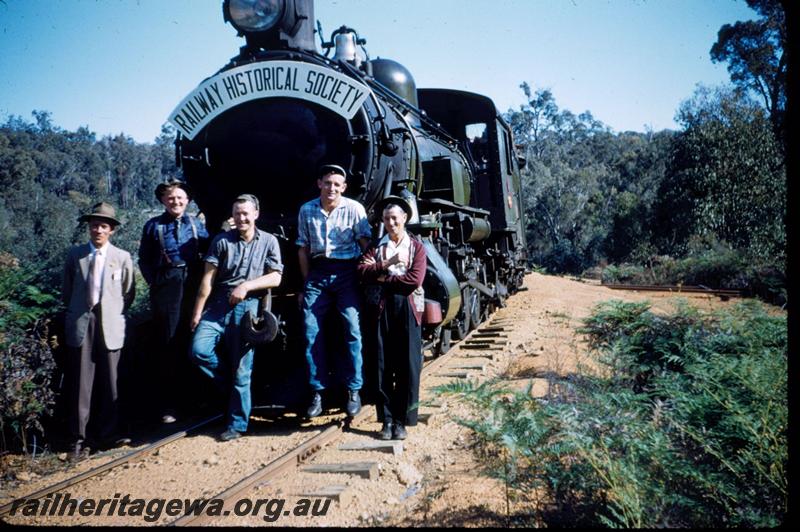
326 169
161 187
377 211
102 211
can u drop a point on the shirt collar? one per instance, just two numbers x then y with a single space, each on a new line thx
386 240
240 239
342 200
166 218
103 250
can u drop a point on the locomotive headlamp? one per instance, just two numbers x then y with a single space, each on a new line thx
254 15
272 24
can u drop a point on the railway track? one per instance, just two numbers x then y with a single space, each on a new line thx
124 459
489 336
722 293
308 449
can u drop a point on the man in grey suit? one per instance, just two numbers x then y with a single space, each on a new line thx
98 289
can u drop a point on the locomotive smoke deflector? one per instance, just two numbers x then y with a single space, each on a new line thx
273 24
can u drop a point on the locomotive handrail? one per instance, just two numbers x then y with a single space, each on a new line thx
466 208
389 95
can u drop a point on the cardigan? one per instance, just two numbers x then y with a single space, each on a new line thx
406 284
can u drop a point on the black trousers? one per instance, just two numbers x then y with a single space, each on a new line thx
172 298
399 361
92 385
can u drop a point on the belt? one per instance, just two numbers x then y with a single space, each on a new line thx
224 293
333 261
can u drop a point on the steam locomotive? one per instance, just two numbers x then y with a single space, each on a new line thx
266 122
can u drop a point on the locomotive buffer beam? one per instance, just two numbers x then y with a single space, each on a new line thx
489 292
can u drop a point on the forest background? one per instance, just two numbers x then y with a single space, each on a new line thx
702 205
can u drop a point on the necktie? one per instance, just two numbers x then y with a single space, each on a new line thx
94 280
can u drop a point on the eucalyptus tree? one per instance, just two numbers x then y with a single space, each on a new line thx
727 178
757 57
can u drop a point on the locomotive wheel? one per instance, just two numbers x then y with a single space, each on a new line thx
461 322
443 345
501 294
475 313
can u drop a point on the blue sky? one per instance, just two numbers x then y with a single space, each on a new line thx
123 65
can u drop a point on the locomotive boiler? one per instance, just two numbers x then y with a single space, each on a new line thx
266 121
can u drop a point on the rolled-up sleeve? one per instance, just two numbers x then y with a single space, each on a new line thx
302 228
362 228
215 250
272 258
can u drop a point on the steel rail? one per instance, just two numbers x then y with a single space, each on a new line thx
677 288
128 457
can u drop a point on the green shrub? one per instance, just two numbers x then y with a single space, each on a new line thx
26 395
624 274
684 426
26 359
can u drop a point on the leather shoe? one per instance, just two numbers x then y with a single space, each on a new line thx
315 408
399 432
79 451
230 434
386 431
113 441
353 403
168 417
121 441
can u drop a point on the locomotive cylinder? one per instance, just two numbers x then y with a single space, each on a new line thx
476 229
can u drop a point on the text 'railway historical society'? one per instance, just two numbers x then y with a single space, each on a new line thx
306 81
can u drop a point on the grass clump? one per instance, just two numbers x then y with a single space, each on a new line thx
685 423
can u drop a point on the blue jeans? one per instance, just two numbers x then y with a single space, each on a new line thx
219 321
332 283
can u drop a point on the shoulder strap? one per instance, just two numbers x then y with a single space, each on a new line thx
160 228
194 227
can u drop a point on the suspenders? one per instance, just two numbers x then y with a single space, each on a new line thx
160 228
